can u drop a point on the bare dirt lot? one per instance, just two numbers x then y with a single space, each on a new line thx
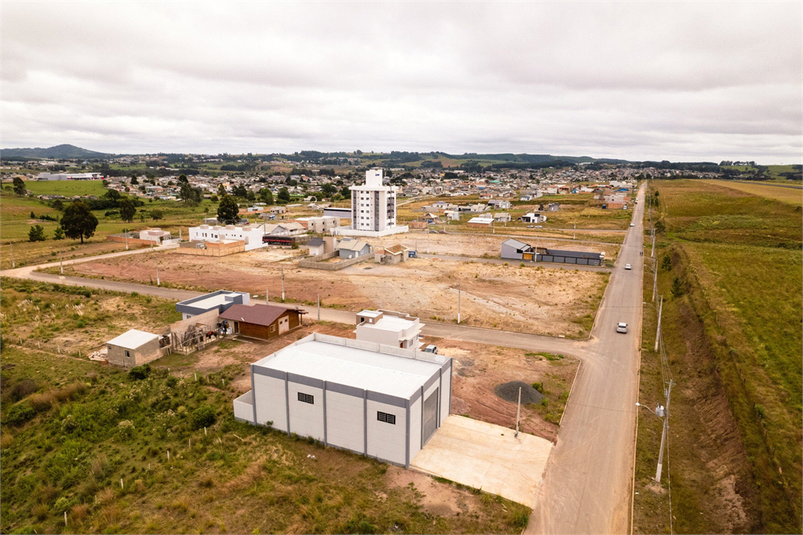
525 299
479 245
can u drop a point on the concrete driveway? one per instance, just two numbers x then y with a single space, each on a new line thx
486 456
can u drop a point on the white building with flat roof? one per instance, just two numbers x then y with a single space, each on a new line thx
373 208
381 401
389 328
250 235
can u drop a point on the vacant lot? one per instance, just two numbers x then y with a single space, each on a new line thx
526 299
125 454
730 272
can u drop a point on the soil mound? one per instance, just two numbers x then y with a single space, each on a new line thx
510 392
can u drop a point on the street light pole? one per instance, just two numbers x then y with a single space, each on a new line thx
663 435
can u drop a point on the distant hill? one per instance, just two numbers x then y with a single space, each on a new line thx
57 152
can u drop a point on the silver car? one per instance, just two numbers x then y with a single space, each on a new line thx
621 328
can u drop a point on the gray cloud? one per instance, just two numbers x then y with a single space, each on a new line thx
681 81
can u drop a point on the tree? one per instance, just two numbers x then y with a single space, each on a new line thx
58 234
227 210
127 210
221 190
134 180
345 192
157 215
78 221
328 189
36 233
266 195
240 191
283 196
19 187
182 179
191 196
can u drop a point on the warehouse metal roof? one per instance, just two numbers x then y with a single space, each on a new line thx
365 365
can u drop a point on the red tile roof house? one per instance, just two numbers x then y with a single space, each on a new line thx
261 321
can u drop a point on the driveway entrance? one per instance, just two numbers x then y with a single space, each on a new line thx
486 456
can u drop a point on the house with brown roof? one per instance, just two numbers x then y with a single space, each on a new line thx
261 321
391 255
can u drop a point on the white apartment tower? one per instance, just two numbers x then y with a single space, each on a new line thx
373 206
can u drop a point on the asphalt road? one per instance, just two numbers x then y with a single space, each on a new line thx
587 482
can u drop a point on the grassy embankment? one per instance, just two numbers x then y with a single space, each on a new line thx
74 429
732 331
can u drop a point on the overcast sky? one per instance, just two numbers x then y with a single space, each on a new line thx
677 81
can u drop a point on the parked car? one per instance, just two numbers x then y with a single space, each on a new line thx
431 349
628 266
632 224
621 328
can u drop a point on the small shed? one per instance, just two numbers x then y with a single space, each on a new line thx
133 348
315 246
391 255
262 321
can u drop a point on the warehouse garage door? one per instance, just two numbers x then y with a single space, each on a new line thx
430 415
284 324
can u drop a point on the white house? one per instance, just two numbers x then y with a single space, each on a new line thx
380 401
389 328
251 235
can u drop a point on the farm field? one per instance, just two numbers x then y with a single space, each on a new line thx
511 297
730 272
788 193
72 429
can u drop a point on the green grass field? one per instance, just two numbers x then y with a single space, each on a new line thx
72 429
68 188
732 329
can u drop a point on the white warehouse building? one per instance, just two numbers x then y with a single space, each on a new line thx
381 401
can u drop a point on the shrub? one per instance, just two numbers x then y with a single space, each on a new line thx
23 389
203 416
539 387
20 413
40 511
171 382
140 372
520 519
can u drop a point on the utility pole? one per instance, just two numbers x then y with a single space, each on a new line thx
658 332
282 284
266 296
157 274
518 413
126 239
319 306
459 288
61 262
663 435
13 265
654 280
653 243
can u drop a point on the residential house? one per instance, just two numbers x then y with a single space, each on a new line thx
261 321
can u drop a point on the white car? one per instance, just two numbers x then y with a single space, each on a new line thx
628 266
431 349
621 328
632 224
